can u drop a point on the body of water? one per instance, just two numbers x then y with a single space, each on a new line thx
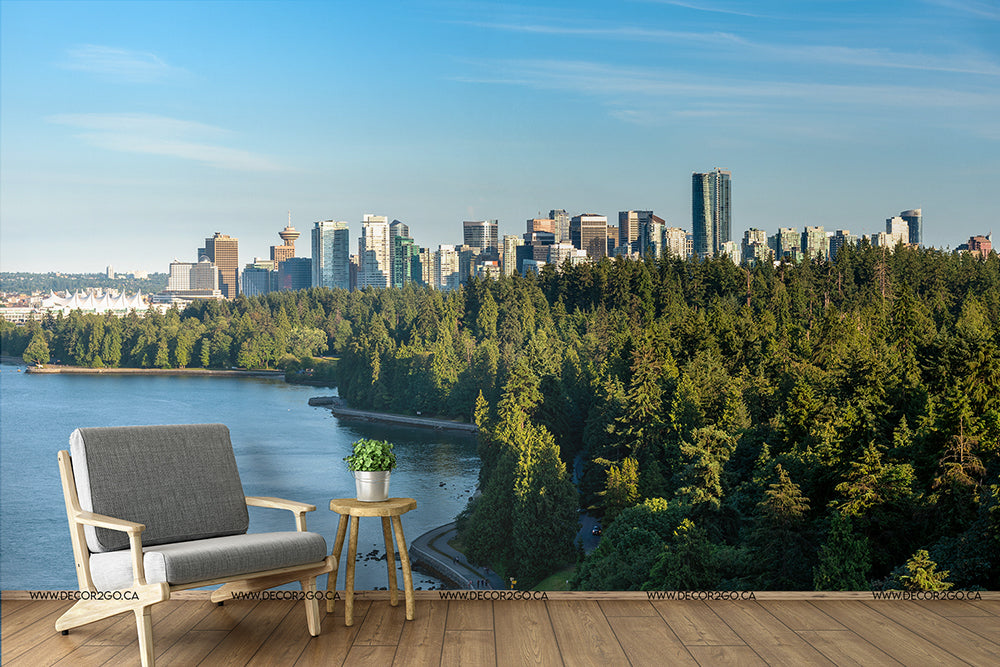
284 448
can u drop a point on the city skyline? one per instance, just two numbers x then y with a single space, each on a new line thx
129 129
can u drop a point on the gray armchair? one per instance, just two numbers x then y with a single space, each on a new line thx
157 509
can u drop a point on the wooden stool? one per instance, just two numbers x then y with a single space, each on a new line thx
392 509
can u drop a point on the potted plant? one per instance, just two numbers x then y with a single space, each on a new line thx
371 461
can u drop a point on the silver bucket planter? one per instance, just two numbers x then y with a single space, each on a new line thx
372 485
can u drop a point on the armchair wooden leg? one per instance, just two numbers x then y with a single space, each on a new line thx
312 605
144 625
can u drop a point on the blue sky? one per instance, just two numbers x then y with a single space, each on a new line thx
130 131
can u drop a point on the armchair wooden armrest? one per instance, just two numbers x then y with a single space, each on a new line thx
296 508
109 522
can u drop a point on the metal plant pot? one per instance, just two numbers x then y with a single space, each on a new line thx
372 485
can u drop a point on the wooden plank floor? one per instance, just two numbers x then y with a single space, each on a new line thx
568 632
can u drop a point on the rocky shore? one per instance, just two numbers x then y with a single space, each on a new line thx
81 370
341 411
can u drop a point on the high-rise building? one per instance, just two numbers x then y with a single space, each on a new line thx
841 238
675 242
814 243
331 255
711 211
258 277
224 251
785 243
589 232
915 221
279 253
481 234
542 225
447 274
561 219
374 252
630 230
509 257
896 232
651 236
755 248
979 245
404 253
295 273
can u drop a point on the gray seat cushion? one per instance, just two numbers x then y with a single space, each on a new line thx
202 560
180 481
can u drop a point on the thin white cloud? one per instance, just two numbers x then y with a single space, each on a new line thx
986 10
690 93
703 7
159 135
118 64
736 46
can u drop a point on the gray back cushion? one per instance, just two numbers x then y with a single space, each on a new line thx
180 481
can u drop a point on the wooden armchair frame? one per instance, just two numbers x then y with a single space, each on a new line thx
141 596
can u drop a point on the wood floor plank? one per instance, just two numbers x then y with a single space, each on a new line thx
31 614
12 606
771 639
992 606
470 615
897 641
985 626
695 624
800 615
288 640
367 656
627 608
422 638
648 640
93 654
950 608
336 639
228 616
524 635
124 632
474 648
950 636
382 625
583 633
191 650
41 644
245 639
843 648
716 656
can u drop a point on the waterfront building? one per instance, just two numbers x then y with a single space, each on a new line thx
223 251
589 232
509 255
374 250
331 255
675 242
480 234
914 219
711 211
814 242
561 220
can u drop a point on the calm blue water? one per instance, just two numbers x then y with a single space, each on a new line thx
284 448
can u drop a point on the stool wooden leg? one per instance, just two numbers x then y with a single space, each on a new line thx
404 559
338 547
390 558
352 554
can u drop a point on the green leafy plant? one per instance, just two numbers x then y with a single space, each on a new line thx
371 455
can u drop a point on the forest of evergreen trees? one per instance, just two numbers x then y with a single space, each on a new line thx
822 425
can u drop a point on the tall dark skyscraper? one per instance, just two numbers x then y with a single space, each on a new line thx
711 211
915 221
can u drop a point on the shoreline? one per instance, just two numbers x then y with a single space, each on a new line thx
82 370
339 410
